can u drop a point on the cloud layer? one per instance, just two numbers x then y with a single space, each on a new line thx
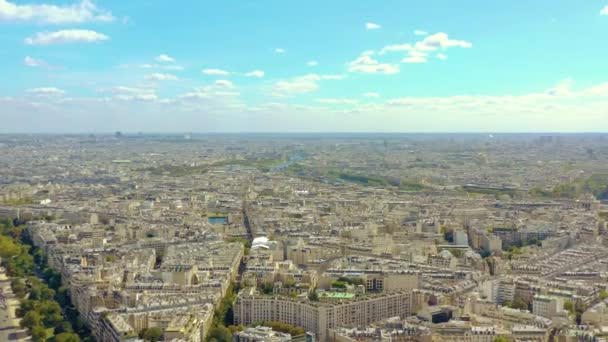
83 12
65 37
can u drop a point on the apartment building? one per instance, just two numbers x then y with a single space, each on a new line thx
318 317
546 306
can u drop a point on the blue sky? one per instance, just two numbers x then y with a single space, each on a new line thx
280 66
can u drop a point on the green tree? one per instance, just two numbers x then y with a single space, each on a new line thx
62 296
18 288
39 334
67 337
31 319
51 311
63 327
338 284
501 339
603 294
220 333
520 304
153 334
569 306
8 248
266 288
235 328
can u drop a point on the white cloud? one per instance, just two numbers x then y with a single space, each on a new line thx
372 95
208 92
160 77
420 33
298 85
33 62
337 101
216 72
418 52
164 58
47 91
140 109
224 84
123 93
442 56
220 72
301 84
440 40
366 64
65 37
83 12
255 73
279 50
312 63
604 11
372 26
562 88
415 56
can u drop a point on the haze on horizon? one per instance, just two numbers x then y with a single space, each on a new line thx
315 66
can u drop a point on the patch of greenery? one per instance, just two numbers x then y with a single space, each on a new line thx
223 317
45 306
351 281
17 202
153 334
283 327
596 184
338 284
260 164
455 252
295 168
361 179
177 170
518 303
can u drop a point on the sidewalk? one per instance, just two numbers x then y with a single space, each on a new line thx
9 323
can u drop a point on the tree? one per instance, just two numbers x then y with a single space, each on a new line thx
153 334
338 284
501 339
67 337
313 296
63 327
236 328
519 303
51 311
62 296
220 333
31 319
603 294
8 248
18 288
267 288
39 333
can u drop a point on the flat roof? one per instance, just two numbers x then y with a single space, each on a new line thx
337 295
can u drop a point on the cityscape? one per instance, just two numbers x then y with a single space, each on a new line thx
303 171
311 237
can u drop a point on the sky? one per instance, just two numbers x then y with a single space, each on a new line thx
303 66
